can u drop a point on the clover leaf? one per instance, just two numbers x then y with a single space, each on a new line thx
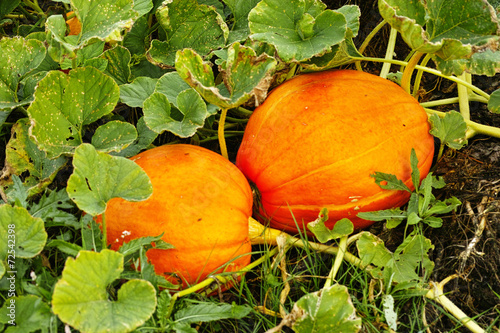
81 300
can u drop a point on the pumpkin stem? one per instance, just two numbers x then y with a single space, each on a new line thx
338 261
389 53
222 139
366 42
418 77
410 67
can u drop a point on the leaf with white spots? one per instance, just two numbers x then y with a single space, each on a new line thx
102 19
18 58
65 103
245 75
114 136
98 177
22 156
118 60
183 120
299 29
187 24
450 29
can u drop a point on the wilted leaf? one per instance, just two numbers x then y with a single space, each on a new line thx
245 76
23 155
27 232
65 103
81 300
99 177
299 29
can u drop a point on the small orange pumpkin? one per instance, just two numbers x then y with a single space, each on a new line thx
318 137
74 25
200 201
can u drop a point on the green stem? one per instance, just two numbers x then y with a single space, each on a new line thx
223 279
34 5
389 53
418 77
481 94
408 72
104 231
463 97
367 40
474 128
338 261
222 139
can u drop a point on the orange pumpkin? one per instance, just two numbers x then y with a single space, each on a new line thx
74 25
318 137
200 201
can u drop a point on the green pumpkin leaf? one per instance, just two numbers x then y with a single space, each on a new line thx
327 310
118 64
450 129
239 31
18 58
187 24
494 101
486 62
142 7
80 297
171 85
340 54
99 177
134 94
145 137
299 29
65 103
31 314
114 136
23 155
341 228
136 39
21 235
450 29
6 7
182 121
245 76
99 19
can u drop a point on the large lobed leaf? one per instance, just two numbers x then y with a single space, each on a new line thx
299 29
81 300
99 177
65 103
450 29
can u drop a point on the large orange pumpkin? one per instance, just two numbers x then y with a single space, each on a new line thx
318 137
200 201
